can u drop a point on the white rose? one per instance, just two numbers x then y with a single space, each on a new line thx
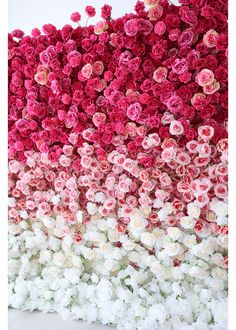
14 229
48 222
45 256
137 223
24 214
59 259
193 210
91 208
31 242
110 264
113 235
187 222
128 245
158 312
11 202
189 240
89 254
223 241
23 224
100 197
172 249
219 273
148 239
174 233
79 216
157 203
158 269
76 260
134 256
55 199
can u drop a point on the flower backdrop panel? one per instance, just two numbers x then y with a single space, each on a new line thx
118 167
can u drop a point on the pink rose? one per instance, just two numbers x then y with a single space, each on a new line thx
154 13
160 28
134 111
74 58
180 66
160 74
99 118
205 132
100 27
211 88
209 39
131 27
98 67
41 77
175 104
151 3
87 70
176 128
204 77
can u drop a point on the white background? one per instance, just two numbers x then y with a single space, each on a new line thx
27 14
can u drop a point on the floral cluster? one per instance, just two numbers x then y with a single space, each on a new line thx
118 167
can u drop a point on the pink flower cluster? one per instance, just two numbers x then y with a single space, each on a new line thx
112 117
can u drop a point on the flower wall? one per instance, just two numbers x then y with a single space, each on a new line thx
118 167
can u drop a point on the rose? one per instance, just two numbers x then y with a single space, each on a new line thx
41 77
151 3
204 77
74 58
100 27
144 26
209 38
187 15
90 11
131 27
211 88
175 104
134 111
106 11
98 67
160 74
154 13
87 70
99 118
75 17
186 38
160 28
180 66
206 132
176 128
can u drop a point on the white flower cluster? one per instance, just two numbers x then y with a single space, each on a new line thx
130 285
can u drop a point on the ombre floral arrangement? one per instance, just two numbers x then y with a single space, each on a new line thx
118 167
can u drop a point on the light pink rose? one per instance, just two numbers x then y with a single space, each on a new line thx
41 77
160 74
209 39
151 3
211 88
204 77
87 70
100 27
99 118
205 132
176 128
155 13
